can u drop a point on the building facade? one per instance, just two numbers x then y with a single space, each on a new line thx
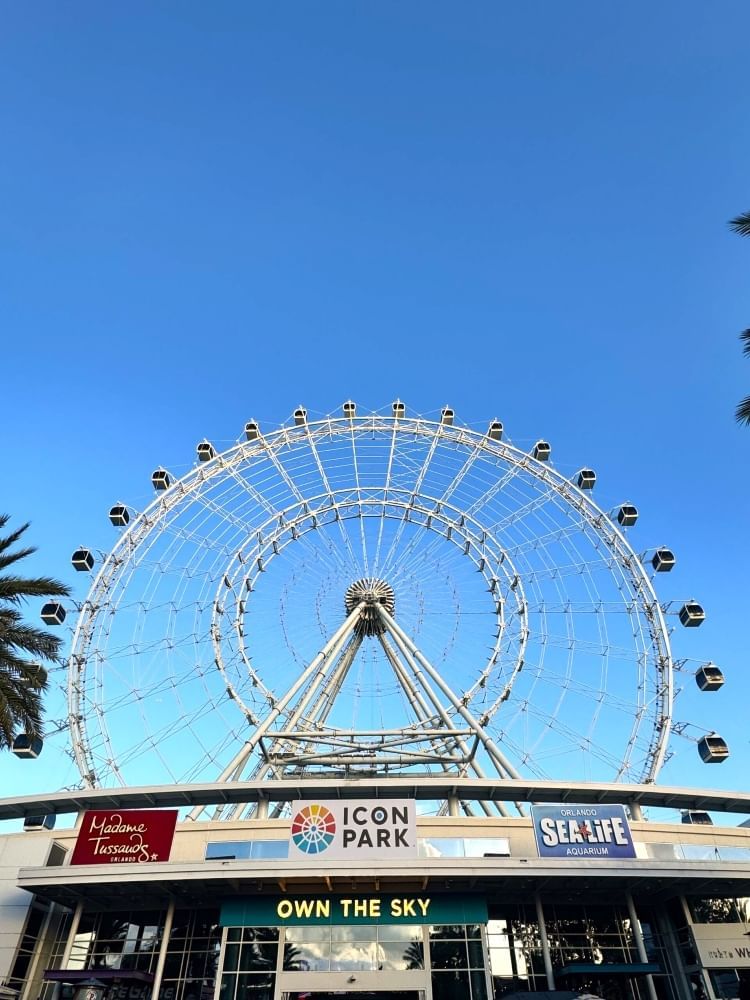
482 908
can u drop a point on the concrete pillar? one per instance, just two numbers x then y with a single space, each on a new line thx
639 944
166 933
545 943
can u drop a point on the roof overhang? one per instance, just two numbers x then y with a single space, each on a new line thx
203 883
423 788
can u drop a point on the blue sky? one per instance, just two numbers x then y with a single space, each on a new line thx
213 212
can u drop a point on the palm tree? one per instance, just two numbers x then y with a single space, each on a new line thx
22 680
741 226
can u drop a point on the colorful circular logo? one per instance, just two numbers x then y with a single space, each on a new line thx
313 829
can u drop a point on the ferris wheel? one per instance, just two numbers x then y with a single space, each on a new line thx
372 593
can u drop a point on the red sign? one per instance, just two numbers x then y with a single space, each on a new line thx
128 836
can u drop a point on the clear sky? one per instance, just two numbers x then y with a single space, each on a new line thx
212 212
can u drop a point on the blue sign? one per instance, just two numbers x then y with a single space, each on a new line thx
582 832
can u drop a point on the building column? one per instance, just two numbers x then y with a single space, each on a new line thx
545 943
639 944
166 933
70 942
635 811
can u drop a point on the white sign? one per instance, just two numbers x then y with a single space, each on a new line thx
355 828
722 946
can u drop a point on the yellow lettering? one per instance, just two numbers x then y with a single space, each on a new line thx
395 907
345 904
323 908
424 905
374 907
303 907
360 907
284 909
409 908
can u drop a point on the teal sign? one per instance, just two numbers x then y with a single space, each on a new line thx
400 908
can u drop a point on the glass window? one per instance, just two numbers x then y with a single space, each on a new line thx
707 910
350 956
450 985
487 847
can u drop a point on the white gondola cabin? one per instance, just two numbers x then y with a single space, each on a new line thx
692 615
446 416
709 677
252 431
627 515
495 431
398 408
119 515
713 749
663 560
83 561
26 746
206 451
53 613
586 479
350 409
40 822
160 479
300 416
696 817
542 450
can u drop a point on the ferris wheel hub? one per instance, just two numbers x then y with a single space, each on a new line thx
371 592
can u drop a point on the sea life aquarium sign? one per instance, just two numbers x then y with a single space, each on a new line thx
402 908
583 831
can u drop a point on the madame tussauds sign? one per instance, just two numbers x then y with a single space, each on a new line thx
127 836
367 828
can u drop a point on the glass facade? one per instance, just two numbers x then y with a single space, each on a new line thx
591 948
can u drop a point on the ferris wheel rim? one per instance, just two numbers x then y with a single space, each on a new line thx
460 436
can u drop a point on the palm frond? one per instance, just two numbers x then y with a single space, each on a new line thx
745 338
15 588
742 413
741 224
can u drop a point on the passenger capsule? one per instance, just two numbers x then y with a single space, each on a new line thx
398 408
697 817
350 409
206 451
663 560
27 746
627 515
83 561
692 615
300 416
542 451
713 749
252 431
40 822
119 515
709 677
53 613
495 431
160 479
586 479
446 416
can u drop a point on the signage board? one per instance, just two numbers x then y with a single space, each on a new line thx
125 836
722 946
353 829
584 831
401 908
